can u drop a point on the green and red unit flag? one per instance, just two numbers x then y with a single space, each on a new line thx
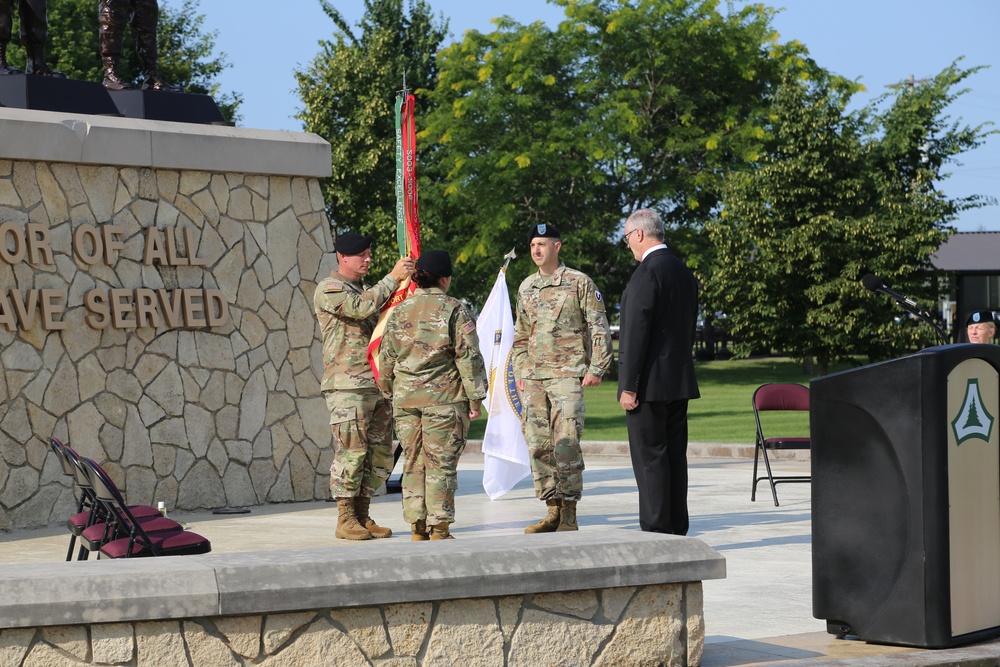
407 218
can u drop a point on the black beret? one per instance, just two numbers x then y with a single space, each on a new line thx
545 230
435 262
980 316
353 244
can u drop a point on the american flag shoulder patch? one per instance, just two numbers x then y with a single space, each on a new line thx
469 327
333 287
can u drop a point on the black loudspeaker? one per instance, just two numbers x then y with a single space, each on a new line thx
906 498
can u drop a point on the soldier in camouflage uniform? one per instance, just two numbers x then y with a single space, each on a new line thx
562 343
361 420
430 365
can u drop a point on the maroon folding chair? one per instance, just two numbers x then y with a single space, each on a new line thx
89 511
137 541
776 397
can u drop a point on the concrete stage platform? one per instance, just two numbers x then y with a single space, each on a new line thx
761 614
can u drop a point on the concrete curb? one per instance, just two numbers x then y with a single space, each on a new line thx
233 584
696 450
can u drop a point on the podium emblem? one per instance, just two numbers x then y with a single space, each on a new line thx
973 421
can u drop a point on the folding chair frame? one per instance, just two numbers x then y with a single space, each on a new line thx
136 541
799 400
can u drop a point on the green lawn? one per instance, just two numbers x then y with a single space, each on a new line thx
722 414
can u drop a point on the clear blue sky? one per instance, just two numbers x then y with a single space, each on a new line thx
879 42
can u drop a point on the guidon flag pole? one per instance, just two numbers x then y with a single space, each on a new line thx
407 218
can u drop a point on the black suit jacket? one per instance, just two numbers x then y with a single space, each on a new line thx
658 312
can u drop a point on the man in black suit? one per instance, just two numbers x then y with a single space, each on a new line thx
656 373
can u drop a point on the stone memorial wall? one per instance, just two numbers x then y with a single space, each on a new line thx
156 288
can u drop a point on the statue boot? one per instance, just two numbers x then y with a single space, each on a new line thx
112 79
348 527
361 506
567 517
5 68
551 521
439 531
35 63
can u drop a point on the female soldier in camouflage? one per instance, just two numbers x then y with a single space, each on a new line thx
429 364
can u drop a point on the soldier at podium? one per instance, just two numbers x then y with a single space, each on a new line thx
981 326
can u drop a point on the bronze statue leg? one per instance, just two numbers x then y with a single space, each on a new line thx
144 19
34 32
6 26
112 16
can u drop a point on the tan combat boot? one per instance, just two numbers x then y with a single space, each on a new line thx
361 505
419 530
567 516
348 527
439 531
551 520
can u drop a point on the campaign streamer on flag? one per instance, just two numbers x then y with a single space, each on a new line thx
407 220
505 453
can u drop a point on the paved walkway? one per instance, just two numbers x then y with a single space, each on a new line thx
761 614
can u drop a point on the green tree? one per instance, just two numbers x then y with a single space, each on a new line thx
348 95
187 54
836 196
629 103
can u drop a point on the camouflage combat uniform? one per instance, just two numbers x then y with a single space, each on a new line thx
361 420
429 363
560 335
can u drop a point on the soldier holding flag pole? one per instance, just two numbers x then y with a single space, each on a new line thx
433 371
352 317
360 418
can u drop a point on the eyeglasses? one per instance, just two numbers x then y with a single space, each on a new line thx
625 238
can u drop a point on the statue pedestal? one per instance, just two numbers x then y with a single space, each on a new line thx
46 93
160 105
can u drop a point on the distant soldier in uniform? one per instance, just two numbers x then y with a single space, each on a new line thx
429 363
980 326
34 32
562 343
361 420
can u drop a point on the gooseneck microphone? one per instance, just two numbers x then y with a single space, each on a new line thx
873 283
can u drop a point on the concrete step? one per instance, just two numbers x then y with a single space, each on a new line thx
696 450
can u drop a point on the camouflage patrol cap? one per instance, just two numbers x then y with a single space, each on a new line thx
544 230
353 244
980 317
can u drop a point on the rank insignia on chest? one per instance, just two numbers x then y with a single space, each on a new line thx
333 287
469 327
